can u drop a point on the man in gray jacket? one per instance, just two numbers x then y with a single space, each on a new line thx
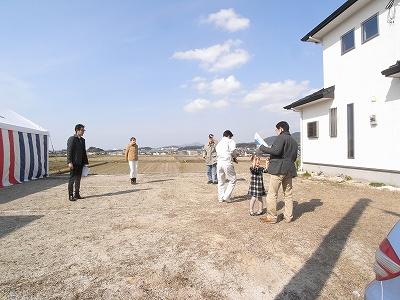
283 154
210 156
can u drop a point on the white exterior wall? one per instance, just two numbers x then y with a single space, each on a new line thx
357 78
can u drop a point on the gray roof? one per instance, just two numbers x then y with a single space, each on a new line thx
392 71
321 95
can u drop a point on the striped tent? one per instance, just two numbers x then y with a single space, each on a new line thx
23 149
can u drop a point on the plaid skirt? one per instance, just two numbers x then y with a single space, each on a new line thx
256 187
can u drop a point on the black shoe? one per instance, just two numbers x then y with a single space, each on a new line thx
71 198
215 182
77 196
208 182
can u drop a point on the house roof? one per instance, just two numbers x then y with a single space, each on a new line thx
392 71
342 13
321 95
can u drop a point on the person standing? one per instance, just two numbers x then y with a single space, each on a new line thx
256 188
132 157
226 154
210 156
283 154
76 160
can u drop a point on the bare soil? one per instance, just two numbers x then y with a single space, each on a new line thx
168 237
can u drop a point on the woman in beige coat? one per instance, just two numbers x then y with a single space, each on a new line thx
131 157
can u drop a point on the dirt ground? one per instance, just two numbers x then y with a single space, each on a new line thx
169 238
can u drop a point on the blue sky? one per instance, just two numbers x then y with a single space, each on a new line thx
165 72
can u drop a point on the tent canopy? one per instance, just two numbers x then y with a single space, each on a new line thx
23 149
12 121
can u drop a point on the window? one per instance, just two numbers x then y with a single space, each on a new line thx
350 130
312 129
333 122
348 41
370 28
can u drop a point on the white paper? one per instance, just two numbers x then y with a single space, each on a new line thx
259 140
85 171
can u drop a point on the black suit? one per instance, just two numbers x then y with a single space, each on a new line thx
76 154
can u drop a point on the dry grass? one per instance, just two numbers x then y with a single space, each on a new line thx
115 164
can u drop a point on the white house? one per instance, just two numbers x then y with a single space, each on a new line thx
352 125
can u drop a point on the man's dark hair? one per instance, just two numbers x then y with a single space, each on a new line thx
79 127
227 133
283 124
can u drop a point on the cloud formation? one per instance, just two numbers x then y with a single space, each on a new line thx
219 86
228 20
203 104
217 58
273 96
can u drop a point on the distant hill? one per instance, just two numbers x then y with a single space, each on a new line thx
185 145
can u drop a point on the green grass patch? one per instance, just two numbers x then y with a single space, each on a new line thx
377 184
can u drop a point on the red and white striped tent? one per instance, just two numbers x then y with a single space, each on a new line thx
24 152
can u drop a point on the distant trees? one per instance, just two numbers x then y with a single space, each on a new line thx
94 149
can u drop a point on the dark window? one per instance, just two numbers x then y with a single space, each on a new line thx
348 41
350 130
312 129
370 28
333 122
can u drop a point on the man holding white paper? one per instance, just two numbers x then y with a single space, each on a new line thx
283 154
76 160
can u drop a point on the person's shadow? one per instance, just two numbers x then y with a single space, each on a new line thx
302 208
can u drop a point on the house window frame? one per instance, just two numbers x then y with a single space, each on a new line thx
313 133
333 122
342 38
350 131
364 29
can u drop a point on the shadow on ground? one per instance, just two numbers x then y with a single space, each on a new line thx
9 224
14 192
307 284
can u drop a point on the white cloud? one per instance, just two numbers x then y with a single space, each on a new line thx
203 104
274 96
218 57
198 79
220 104
219 86
227 19
224 86
197 105
202 87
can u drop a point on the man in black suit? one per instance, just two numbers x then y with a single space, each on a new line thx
76 160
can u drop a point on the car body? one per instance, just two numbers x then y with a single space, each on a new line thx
386 285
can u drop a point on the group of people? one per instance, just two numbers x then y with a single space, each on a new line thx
219 158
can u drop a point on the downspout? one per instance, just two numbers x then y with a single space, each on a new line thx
301 140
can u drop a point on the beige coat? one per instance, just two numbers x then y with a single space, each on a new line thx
131 152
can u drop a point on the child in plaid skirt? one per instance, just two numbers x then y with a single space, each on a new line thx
256 189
